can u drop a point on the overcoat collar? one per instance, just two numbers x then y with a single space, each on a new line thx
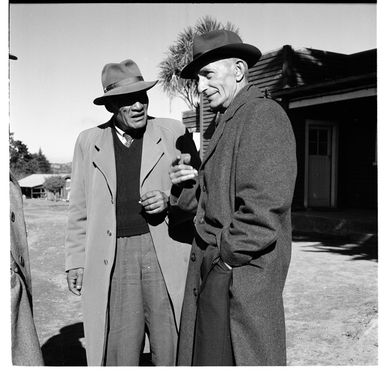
104 155
240 99
152 149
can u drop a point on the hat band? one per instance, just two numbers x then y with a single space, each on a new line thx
198 54
123 82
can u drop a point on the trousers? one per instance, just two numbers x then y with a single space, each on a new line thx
139 300
212 342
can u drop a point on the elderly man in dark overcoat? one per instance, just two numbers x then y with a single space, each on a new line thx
233 311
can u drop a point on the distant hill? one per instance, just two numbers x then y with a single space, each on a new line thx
61 167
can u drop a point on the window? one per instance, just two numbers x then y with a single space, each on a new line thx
318 141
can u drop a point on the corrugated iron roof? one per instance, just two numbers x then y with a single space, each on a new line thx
38 179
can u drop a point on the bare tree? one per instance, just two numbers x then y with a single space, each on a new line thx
179 55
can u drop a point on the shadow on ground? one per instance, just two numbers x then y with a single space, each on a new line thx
363 248
66 349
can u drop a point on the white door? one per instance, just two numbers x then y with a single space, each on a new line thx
321 163
320 166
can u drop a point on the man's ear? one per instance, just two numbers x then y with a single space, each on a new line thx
240 70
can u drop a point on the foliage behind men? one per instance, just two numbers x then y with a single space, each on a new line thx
22 163
179 55
54 184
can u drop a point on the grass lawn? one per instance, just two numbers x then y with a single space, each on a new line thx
330 297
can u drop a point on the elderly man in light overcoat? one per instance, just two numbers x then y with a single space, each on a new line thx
233 310
119 254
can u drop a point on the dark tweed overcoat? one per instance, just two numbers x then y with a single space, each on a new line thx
245 190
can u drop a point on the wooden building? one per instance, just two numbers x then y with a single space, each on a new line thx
32 186
331 99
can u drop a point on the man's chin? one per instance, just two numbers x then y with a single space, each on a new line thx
214 107
143 122
137 124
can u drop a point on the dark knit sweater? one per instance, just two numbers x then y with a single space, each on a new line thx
129 213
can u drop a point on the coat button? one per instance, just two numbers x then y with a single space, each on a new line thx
193 257
21 261
195 291
105 261
12 216
109 232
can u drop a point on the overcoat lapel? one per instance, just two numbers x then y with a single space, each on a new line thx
104 157
214 140
238 102
152 150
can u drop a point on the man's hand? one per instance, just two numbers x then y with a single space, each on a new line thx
181 171
75 280
154 201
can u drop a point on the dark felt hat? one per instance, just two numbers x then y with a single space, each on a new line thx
216 45
122 78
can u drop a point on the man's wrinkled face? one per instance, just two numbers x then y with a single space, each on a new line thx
217 81
131 110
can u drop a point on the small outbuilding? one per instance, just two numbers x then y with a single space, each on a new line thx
32 186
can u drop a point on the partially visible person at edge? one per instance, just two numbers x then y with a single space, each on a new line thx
25 343
119 254
233 310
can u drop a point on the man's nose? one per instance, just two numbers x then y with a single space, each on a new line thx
137 106
202 84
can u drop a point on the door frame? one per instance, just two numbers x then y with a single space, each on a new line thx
334 159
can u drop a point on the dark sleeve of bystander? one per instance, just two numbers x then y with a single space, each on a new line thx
181 226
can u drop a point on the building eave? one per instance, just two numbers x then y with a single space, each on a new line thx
353 82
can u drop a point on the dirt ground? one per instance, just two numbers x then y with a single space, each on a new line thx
330 296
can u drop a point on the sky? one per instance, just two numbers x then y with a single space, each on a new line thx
62 48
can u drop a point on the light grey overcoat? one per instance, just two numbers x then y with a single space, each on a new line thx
91 231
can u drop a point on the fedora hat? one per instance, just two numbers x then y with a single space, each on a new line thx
216 45
122 78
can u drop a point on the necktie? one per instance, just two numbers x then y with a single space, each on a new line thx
128 139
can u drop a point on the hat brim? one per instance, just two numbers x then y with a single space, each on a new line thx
128 89
247 52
